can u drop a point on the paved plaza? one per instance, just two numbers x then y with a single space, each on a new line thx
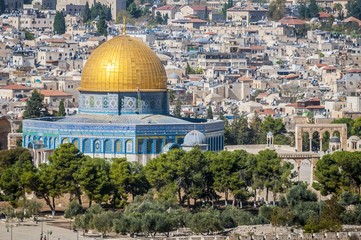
31 231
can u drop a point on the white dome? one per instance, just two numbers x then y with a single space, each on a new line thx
194 138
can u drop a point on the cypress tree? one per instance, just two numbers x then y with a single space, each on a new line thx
177 110
59 23
102 27
2 6
61 111
86 13
108 11
35 106
210 113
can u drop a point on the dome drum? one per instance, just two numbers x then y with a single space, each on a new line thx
124 103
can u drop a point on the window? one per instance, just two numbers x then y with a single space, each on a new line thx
97 146
129 146
86 145
118 146
76 143
107 146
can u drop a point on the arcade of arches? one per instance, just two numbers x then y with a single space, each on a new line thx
319 134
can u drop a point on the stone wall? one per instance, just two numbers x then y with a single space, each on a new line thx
294 236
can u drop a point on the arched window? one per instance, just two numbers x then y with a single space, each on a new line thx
50 142
76 143
55 143
97 146
65 140
140 146
129 146
86 146
149 146
158 148
118 146
107 146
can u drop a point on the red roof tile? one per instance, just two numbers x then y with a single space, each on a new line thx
290 20
54 93
199 7
16 87
165 7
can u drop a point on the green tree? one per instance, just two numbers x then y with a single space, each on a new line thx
59 23
103 222
302 10
127 178
356 127
34 106
210 113
165 19
348 121
61 110
73 210
67 160
191 173
102 26
189 69
10 157
86 220
86 14
93 178
158 18
256 128
277 9
136 12
177 109
299 193
313 9
328 176
269 173
29 35
270 124
240 129
16 175
223 167
226 6
46 185
108 13
206 222
354 8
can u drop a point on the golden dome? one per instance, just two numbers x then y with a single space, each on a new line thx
123 64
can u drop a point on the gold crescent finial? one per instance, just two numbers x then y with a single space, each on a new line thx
124 30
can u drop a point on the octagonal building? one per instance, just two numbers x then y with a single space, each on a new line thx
123 110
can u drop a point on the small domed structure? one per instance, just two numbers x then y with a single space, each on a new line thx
335 139
270 140
195 139
335 143
354 144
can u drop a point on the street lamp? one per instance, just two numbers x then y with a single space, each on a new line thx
10 226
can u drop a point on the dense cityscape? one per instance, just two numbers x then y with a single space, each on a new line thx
180 119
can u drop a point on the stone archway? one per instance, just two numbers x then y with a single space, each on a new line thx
304 164
321 129
5 129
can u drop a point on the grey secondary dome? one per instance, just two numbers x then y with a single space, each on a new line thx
335 139
194 138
